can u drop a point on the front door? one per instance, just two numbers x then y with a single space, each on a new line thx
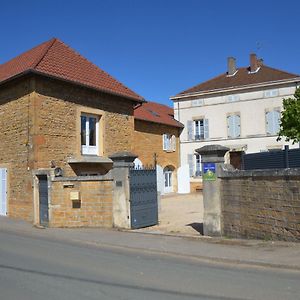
168 181
3 192
43 200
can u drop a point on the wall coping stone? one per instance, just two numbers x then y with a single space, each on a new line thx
84 178
228 172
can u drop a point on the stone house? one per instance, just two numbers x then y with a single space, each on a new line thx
60 115
156 141
239 109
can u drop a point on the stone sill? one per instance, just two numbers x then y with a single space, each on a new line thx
84 178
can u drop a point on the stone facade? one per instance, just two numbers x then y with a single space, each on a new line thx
94 202
148 141
261 204
40 128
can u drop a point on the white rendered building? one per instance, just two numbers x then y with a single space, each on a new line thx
239 109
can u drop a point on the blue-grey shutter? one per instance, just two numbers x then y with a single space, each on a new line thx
276 121
190 130
191 164
269 122
237 126
230 126
206 129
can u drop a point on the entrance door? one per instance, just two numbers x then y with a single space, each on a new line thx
43 200
168 181
3 192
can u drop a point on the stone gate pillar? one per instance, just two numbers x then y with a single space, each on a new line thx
122 161
212 158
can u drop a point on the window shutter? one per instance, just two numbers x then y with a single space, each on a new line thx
230 126
190 130
269 122
276 121
237 126
173 143
191 164
206 129
164 141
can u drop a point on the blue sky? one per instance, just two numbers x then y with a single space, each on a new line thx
158 48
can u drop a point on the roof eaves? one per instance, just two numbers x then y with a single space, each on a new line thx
107 91
178 125
241 87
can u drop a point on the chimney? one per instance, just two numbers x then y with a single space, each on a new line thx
254 63
231 66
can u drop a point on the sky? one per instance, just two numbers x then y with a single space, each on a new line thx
158 48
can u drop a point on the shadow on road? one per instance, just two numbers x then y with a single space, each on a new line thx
197 226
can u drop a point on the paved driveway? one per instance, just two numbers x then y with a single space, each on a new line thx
179 214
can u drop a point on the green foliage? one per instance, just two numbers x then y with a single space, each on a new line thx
290 119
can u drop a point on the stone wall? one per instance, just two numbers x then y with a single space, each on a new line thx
16 146
40 128
262 204
58 107
92 207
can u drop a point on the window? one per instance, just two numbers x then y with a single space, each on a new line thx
169 142
197 102
198 129
273 121
198 168
194 162
89 134
233 98
234 126
271 93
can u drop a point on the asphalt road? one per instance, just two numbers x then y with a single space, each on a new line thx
40 268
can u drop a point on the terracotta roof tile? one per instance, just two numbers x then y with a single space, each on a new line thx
157 113
55 58
241 78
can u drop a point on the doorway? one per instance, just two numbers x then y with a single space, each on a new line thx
43 200
3 192
168 175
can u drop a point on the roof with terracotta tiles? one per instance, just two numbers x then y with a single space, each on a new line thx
157 113
242 78
54 58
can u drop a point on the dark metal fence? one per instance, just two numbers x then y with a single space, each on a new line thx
287 158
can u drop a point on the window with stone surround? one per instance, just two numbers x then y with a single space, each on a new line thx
89 134
169 142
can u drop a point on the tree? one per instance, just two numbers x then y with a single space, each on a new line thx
290 119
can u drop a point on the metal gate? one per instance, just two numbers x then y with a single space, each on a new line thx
43 200
143 197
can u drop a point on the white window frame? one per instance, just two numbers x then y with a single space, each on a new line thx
88 149
198 166
169 142
200 134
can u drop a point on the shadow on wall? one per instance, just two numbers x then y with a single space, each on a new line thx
197 226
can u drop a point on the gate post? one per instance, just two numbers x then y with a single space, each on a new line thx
122 161
212 157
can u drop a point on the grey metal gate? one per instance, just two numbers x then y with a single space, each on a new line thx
143 198
43 200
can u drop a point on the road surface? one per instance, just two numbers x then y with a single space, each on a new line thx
37 268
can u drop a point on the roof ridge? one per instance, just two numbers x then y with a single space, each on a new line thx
39 59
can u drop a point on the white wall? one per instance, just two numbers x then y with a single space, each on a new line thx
251 106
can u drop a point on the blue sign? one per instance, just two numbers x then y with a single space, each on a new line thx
209 171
